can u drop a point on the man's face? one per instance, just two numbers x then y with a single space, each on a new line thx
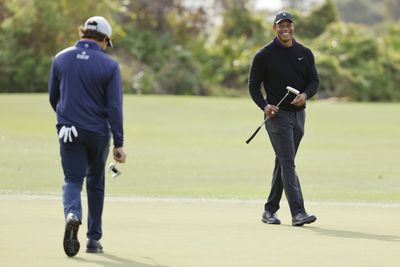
284 31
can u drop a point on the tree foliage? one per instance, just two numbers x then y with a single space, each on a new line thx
31 33
170 47
317 21
361 11
359 62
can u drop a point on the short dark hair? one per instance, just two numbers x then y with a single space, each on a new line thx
91 34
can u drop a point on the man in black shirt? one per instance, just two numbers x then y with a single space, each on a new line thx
281 63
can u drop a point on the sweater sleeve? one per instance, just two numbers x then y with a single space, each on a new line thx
54 87
256 73
114 107
313 79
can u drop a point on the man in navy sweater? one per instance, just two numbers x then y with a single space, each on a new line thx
281 63
85 91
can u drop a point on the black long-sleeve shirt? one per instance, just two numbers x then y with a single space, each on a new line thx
276 67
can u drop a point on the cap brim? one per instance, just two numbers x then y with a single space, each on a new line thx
276 22
110 44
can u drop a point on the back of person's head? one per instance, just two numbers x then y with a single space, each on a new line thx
97 28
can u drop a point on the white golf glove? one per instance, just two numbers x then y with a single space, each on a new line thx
66 133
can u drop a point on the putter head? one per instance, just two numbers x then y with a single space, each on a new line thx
292 90
113 169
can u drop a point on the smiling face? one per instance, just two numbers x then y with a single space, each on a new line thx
284 31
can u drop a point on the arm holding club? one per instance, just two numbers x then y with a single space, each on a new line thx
289 90
300 99
119 154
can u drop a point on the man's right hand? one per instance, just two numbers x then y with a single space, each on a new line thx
271 110
119 154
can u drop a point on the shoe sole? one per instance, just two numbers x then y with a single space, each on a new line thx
71 243
94 250
309 220
269 222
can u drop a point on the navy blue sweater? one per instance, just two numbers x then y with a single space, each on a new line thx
85 90
276 67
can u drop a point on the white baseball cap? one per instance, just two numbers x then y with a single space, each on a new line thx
101 25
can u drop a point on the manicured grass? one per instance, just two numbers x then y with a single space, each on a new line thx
194 146
192 234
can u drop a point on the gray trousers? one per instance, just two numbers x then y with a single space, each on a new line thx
285 132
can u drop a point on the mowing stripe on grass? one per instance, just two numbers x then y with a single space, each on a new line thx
193 200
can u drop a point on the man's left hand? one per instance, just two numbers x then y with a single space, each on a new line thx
299 100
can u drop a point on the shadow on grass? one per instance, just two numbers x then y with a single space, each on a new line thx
353 234
115 261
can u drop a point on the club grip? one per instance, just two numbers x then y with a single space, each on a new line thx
254 134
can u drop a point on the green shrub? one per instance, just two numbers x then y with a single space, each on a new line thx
355 64
335 81
180 74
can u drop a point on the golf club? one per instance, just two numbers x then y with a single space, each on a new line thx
113 168
289 90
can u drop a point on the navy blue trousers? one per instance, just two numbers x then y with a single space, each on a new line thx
85 157
285 132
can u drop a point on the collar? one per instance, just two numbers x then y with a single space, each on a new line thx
276 41
88 44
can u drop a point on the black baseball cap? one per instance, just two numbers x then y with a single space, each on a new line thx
282 15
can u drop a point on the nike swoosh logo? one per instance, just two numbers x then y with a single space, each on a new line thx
300 58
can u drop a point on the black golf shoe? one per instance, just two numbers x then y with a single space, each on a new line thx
71 243
93 246
270 218
303 218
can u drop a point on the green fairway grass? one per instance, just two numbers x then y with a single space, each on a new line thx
195 146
